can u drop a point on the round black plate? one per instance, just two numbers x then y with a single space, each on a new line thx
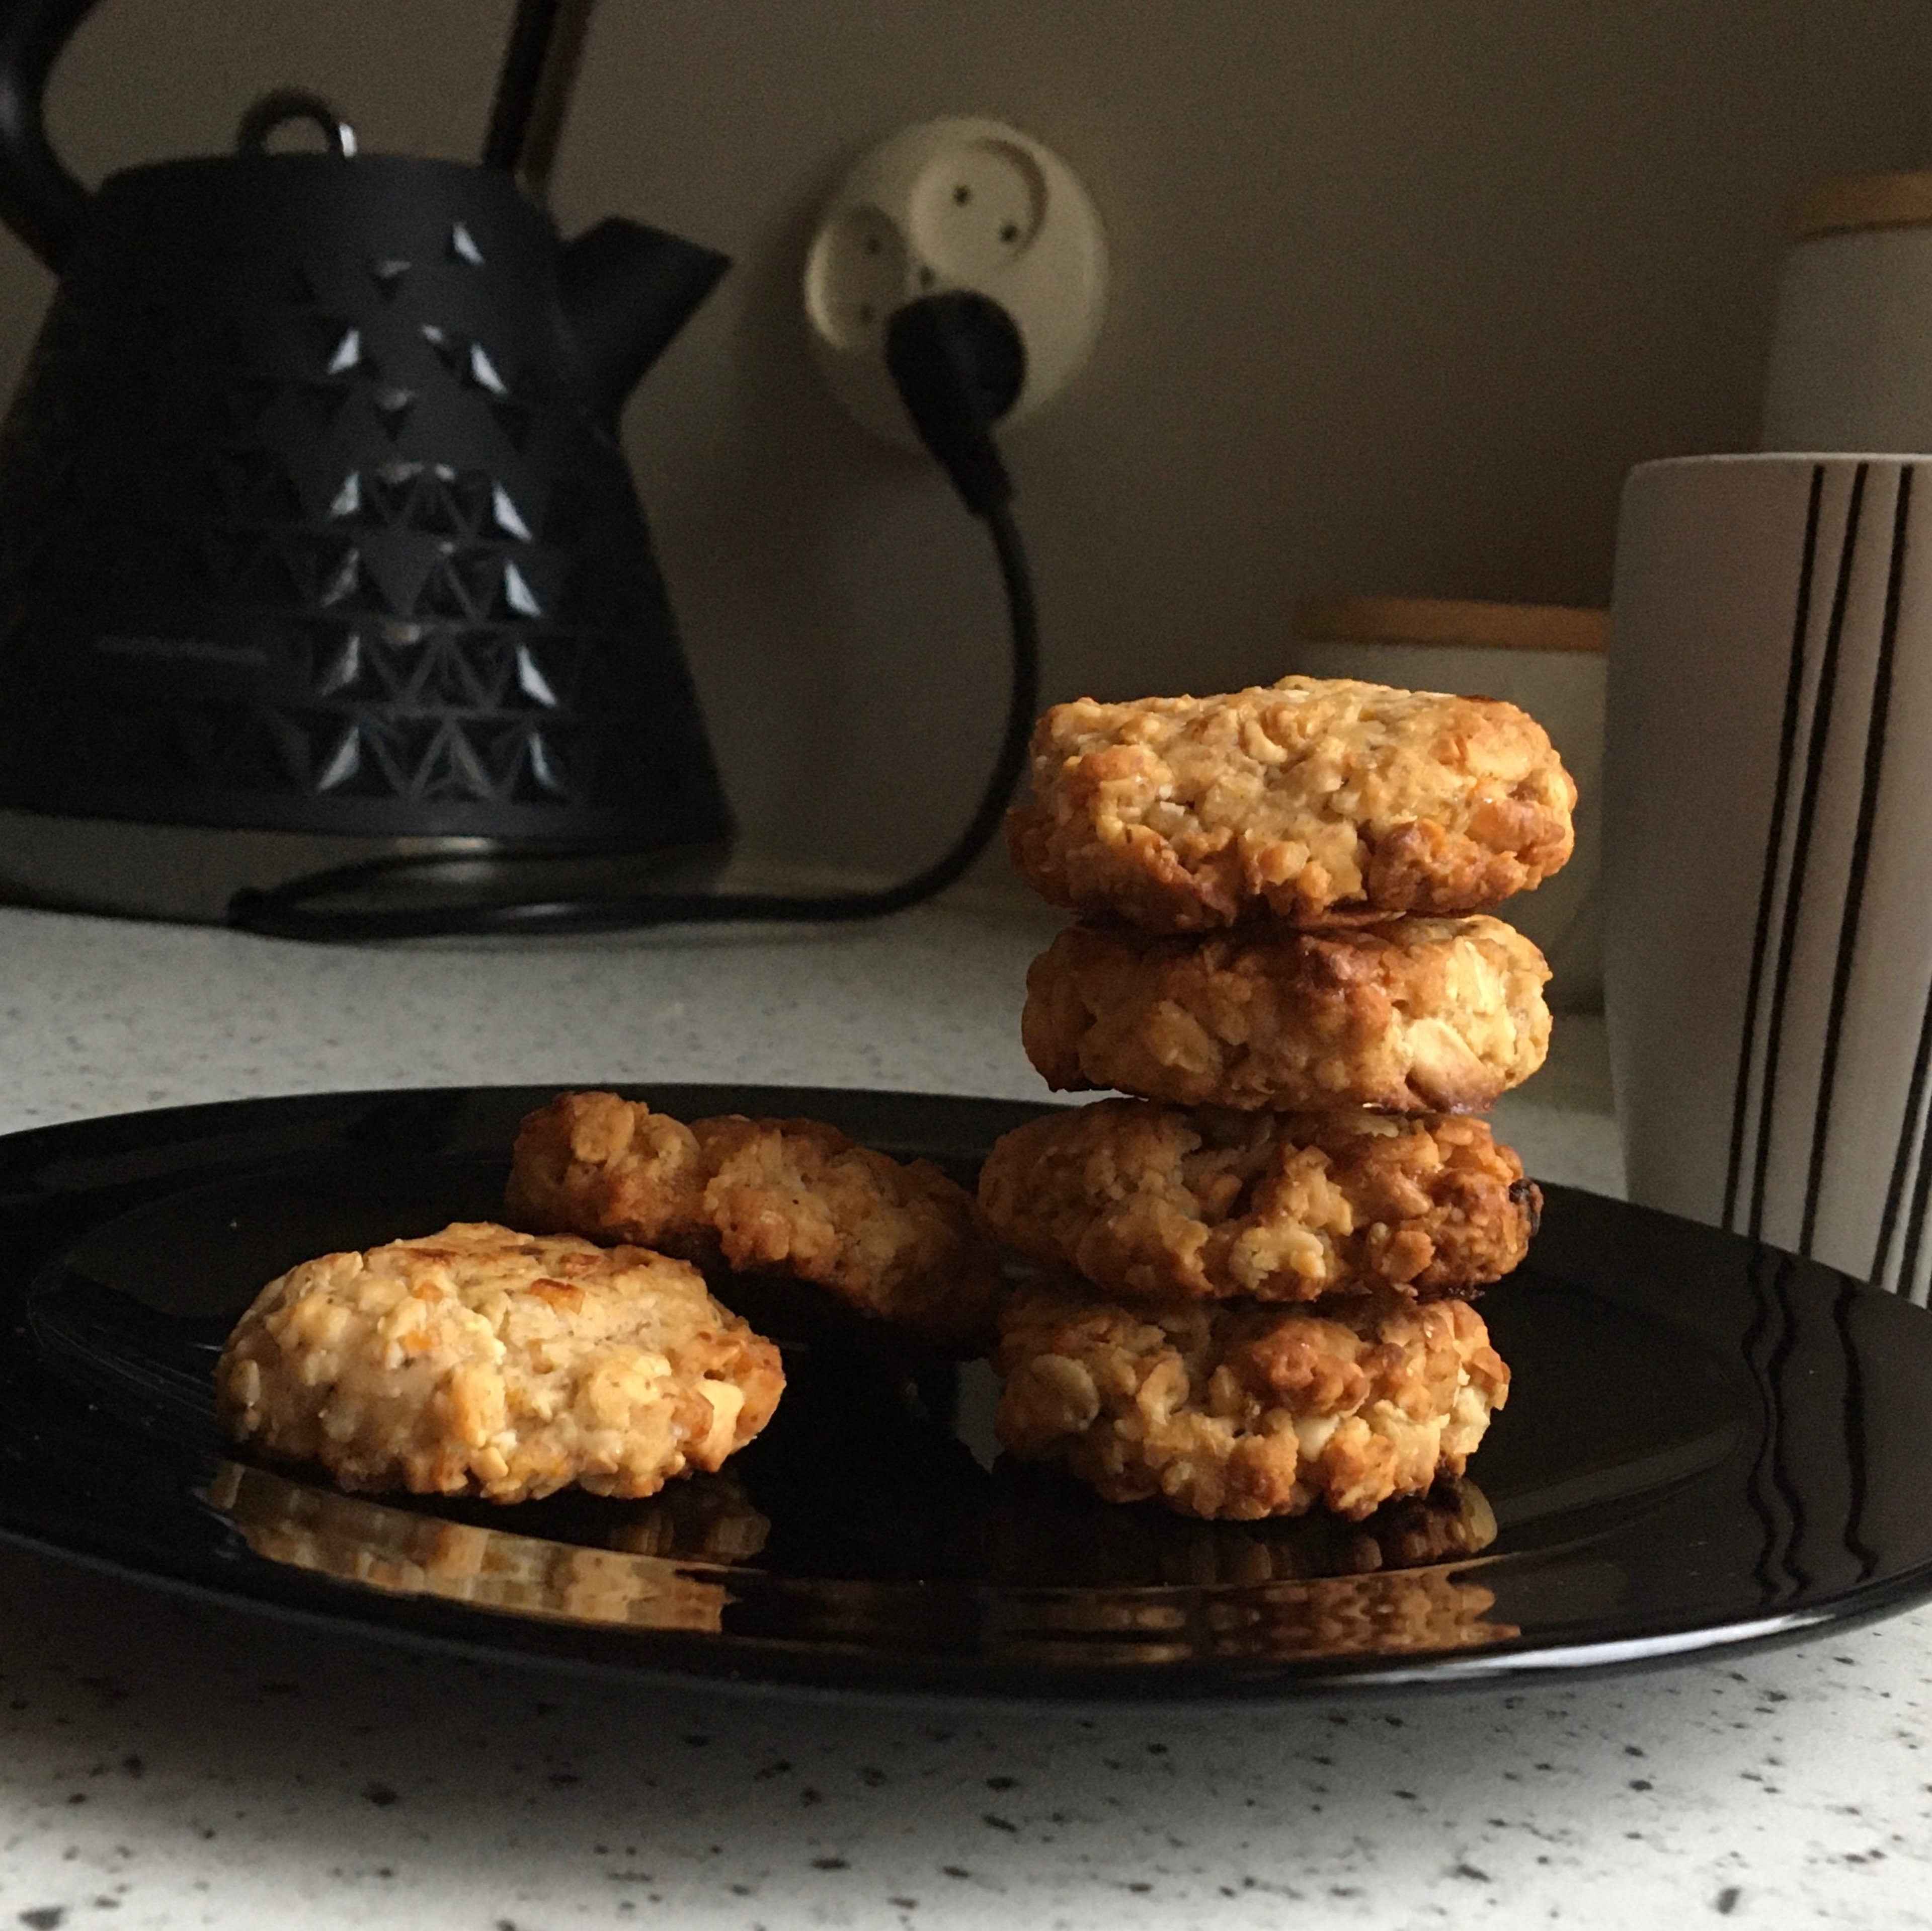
1707 1442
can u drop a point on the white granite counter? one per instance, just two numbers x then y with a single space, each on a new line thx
163 1764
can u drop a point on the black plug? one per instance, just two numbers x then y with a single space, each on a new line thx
959 364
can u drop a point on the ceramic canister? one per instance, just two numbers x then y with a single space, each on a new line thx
1851 352
1768 852
1545 658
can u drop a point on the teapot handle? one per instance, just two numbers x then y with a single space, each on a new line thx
39 199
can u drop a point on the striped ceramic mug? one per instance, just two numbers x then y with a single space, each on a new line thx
1768 851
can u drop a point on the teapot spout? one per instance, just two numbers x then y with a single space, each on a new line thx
627 290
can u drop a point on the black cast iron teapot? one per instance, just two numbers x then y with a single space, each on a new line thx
313 519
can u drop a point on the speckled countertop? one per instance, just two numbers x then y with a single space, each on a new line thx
166 1764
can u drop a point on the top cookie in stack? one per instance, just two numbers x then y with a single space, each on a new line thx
1312 801
1279 955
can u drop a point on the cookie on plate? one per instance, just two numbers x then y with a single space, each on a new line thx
791 1196
1416 1016
1311 800
1149 1201
1238 1412
478 1361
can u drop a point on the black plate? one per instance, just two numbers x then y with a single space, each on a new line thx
1708 1443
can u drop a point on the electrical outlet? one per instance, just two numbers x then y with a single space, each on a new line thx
957 203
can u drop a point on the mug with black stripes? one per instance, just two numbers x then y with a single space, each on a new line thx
1768 852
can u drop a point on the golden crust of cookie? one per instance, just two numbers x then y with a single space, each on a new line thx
477 1361
1234 1413
1148 1200
1312 800
1416 1016
794 1196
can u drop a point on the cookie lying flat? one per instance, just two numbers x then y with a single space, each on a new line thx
794 1196
1144 1200
1237 1414
1417 1015
477 1361
1312 800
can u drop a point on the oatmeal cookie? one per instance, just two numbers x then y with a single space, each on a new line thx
794 1196
1235 1413
1148 1200
1418 1015
1312 800
477 1361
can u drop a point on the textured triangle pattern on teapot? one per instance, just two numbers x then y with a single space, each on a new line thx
313 513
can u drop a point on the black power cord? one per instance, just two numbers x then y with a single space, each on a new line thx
959 362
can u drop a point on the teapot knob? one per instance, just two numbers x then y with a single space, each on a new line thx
292 103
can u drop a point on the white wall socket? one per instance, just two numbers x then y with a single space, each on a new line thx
956 203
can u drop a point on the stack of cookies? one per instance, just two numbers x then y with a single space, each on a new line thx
1260 1266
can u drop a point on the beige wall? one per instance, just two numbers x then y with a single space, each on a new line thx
1402 287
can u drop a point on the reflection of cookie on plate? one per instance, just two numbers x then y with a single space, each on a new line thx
1148 1200
1395 1612
1044 1532
708 1519
1309 800
477 1361
408 1554
791 1196
1417 1015
1242 1412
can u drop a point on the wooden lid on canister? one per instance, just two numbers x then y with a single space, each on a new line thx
1444 620
1848 203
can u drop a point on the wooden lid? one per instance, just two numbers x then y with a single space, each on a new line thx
1854 201
1440 620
